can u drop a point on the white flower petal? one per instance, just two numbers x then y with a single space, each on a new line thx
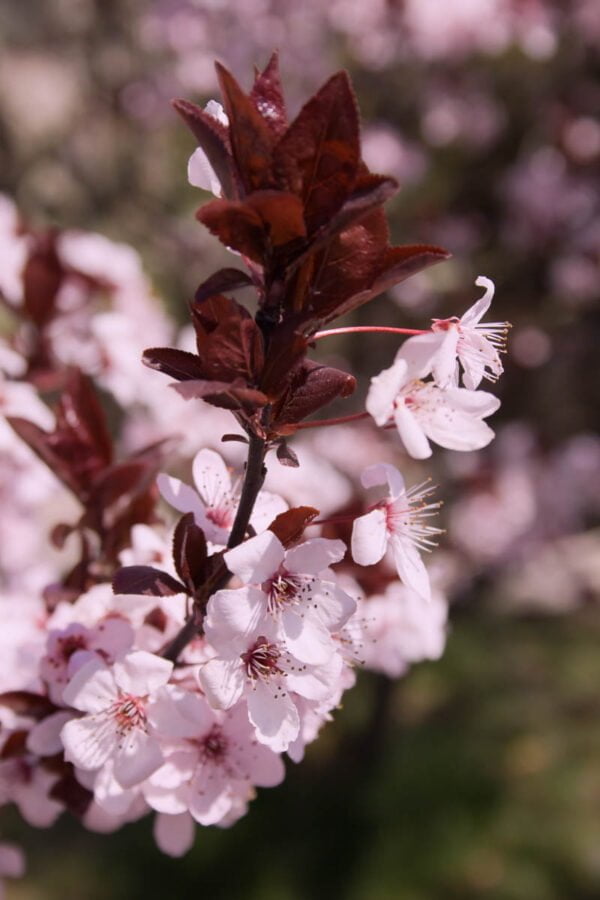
142 673
314 555
411 431
138 756
267 507
306 638
257 559
418 354
274 715
89 741
210 795
479 309
174 835
369 538
44 738
201 174
383 473
222 681
410 566
235 614
211 477
383 391
181 497
444 364
92 688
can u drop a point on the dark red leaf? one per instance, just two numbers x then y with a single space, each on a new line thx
289 526
157 618
399 263
15 744
213 139
189 552
286 455
145 580
178 364
42 278
312 386
264 222
221 281
267 95
251 138
230 345
26 703
69 791
232 395
318 157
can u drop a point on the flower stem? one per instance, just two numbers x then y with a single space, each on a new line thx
359 329
253 480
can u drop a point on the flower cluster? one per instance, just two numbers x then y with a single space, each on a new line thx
174 660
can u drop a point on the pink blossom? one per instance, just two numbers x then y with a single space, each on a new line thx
477 345
422 411
396 522
69 649
298 592
399 629
215 500
252 662
120 704
213 772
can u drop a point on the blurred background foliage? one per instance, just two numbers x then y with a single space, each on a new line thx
479 775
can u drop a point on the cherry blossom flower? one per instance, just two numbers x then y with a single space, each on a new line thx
477 345
70 648
298 592
253 663
200 172
398 629
121 705
397 522
422 411
213 772
215 500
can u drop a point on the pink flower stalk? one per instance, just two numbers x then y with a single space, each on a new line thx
215 500
397 523
122 707
12 863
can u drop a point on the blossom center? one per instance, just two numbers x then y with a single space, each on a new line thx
129 712
214 745
282 589
261 659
